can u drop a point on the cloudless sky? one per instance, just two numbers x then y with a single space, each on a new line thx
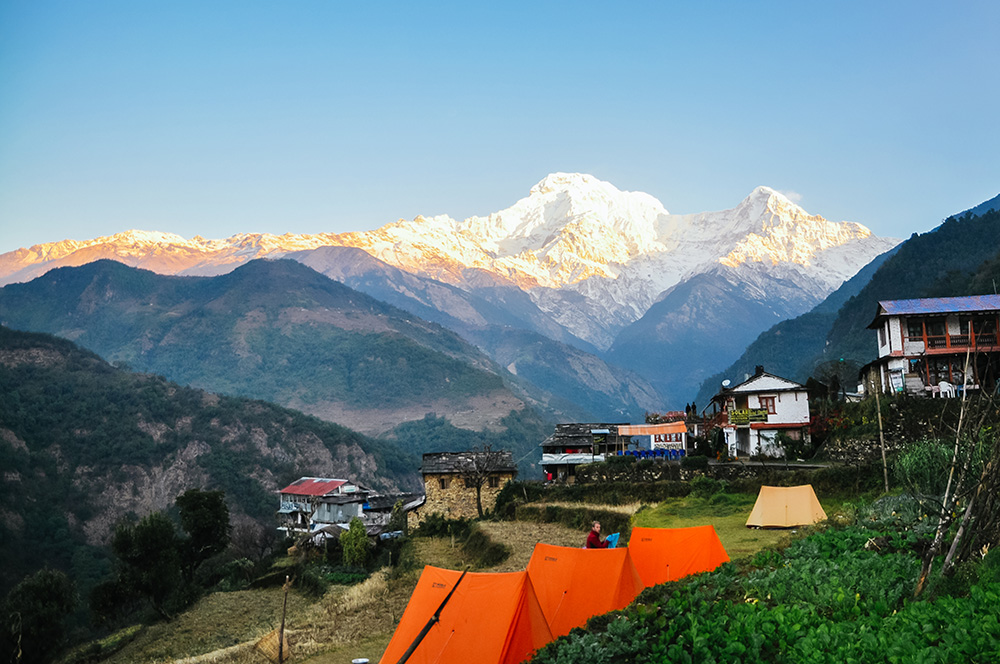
215 118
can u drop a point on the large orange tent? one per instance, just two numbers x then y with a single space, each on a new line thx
491 618
574 584
785 507
668 554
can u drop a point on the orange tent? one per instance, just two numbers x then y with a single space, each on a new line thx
574 584
785 507
668 554
491 618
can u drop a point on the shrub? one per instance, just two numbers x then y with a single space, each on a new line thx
355 544
438 525
696 462
706 487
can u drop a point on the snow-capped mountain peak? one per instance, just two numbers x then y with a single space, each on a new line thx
572 231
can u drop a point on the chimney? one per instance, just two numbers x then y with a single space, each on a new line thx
758 370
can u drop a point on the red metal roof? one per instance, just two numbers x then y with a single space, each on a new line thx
312 486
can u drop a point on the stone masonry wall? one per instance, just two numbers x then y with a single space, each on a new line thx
456 501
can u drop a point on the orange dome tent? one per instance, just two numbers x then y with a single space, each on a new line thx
490 619
785 507
668 554
574 584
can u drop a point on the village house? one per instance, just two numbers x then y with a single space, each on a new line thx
936 346
672 436
450 480
315 504
754 413
574 444
310 503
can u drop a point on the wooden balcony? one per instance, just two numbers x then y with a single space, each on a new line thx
985 342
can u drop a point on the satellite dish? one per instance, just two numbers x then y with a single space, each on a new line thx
726 382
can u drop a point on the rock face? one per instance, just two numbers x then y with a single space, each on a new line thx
576 260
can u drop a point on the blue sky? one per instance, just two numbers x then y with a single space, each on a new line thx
308 116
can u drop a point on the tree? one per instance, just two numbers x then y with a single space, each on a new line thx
149 562
478 465
34 617
354 544
205 518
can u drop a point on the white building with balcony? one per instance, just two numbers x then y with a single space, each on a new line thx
936 346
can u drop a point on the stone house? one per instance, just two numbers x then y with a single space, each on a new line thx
450 491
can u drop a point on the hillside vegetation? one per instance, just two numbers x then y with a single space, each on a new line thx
83 444
272 330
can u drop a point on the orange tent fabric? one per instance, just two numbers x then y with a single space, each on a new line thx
668 554
786 507
491 618
574 584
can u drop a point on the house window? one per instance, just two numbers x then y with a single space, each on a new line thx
494 481
444 482
881 336
768 402
915 328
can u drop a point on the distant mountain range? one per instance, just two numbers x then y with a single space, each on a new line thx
575 288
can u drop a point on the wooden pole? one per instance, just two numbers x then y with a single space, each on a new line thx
881 434
281 630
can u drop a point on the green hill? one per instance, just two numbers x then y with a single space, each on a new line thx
272 330
83 444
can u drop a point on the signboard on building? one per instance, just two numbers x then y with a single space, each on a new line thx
667 441
896 379
742 416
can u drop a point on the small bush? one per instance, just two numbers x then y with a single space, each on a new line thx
694 462
706 487
312 582
437 525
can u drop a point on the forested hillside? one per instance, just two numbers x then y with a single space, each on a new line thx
83 444
273 330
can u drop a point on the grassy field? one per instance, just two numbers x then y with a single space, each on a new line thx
358 621
728 514
218 621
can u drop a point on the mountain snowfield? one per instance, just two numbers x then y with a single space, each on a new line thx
570 229
592 259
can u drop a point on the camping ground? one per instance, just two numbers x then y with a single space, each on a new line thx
350 622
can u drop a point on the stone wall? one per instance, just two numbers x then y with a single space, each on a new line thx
456 501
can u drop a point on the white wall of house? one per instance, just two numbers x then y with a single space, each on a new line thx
331 513
789 407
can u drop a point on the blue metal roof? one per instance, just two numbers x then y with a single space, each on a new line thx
937 305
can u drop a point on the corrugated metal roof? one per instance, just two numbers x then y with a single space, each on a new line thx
312 486
937 305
